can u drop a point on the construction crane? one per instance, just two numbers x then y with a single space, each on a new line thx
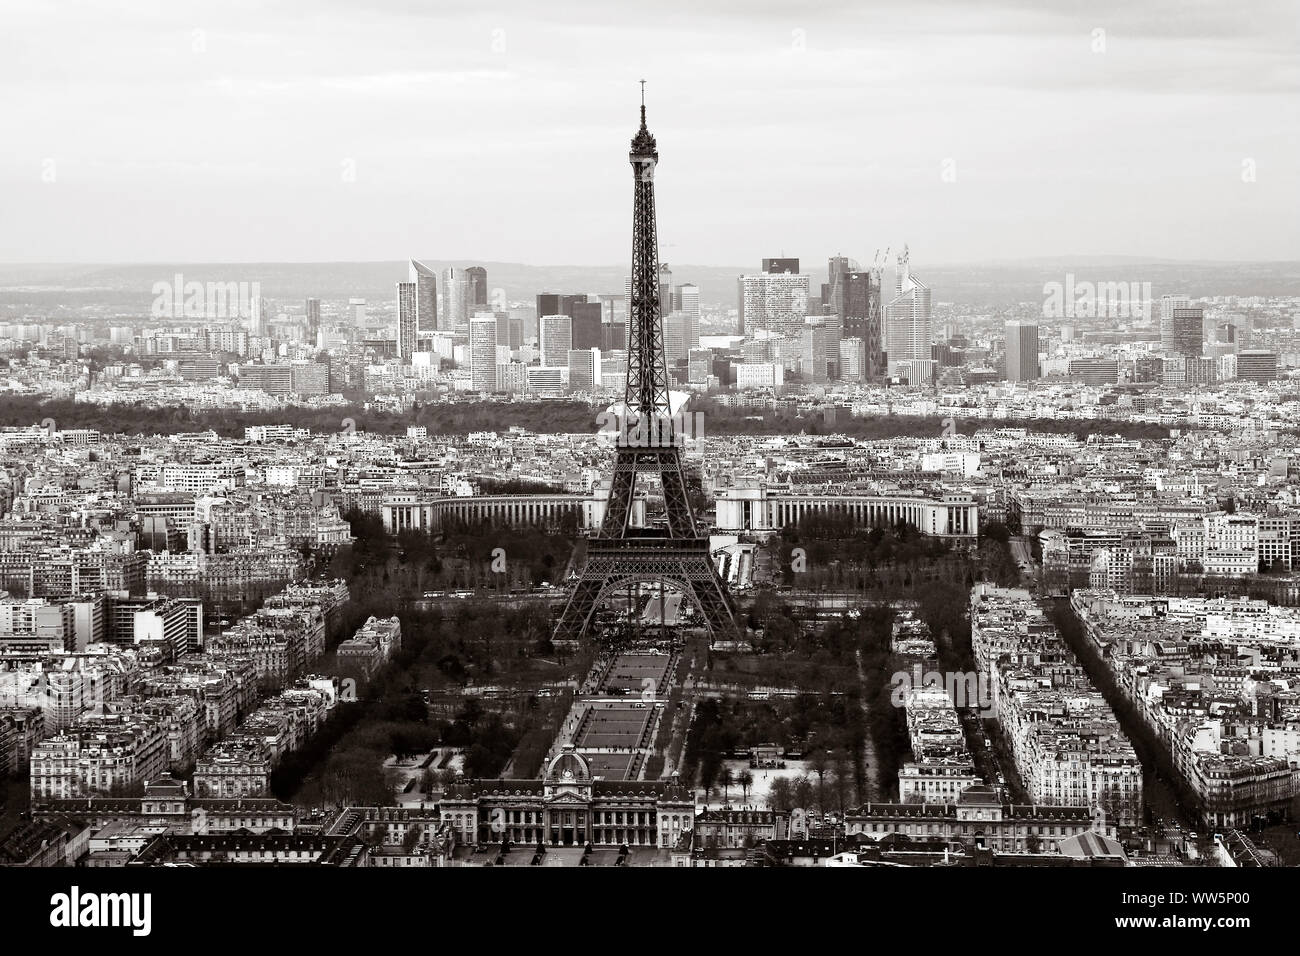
878 263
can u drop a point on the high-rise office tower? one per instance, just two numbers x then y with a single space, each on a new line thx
510 331
313 322
406 312
258 323
1022 351
781 266
687 297
1187 331
1167 305
681 334
584 369
837 268
614 337
454 307
426 296
853 354
586 325
548 303
557 339
812 359
358 307
483 353
555 303
907 317
773 302
667 300
476 278
859 307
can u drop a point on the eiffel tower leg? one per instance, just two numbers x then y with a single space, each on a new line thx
712 599
618 509
677 503
576 616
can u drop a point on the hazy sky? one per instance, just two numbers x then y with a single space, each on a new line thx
379 129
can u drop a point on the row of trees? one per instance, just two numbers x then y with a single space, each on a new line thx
827 790
550 417
725 420
440 418
464 556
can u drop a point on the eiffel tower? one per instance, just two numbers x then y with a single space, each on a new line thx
649 443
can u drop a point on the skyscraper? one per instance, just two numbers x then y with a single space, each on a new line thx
859 307
406 319
510 331
774 302
812 359
1187 330
667 300
688 299
614 337
257 320
681 334
483 353
907 318
586 325
555 303
1167 305
454 308
584 369
837 267
313 322
426 296
1022 351
557 339
852 359
476 277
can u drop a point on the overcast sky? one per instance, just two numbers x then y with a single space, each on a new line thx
379 129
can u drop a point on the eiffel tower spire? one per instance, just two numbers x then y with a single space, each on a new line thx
649 443
647 372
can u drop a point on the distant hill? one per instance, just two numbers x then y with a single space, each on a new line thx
42 289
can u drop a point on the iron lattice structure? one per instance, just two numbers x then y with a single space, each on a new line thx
648 444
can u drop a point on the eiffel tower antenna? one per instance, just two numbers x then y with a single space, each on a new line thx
622 553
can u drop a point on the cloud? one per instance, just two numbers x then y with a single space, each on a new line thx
808 128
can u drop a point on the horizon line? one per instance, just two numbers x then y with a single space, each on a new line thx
937 264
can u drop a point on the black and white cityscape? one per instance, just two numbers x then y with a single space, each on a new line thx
852 437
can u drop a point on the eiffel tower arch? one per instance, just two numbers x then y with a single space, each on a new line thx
648 444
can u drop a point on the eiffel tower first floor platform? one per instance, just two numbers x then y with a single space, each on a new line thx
614 563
